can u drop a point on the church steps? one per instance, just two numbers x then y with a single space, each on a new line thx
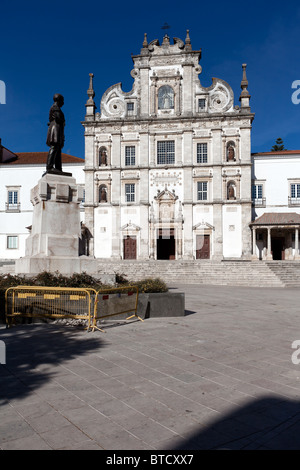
197 272
287 271
204 272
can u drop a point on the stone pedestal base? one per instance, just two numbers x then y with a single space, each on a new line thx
38 264
65 265
53 244
56 217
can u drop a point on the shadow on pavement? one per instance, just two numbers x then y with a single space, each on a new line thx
264 424
189 312
34 353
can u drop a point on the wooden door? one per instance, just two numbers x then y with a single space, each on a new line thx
129 246
203 247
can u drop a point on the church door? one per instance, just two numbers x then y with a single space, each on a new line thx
129 247
166 244
203 247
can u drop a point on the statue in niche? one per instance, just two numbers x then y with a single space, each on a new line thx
230 153
103 194
55 134
103 156
166 97
230 191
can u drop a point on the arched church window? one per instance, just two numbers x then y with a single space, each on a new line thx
102 156
165 97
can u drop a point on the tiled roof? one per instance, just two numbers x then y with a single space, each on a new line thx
278 218
6 155
32 158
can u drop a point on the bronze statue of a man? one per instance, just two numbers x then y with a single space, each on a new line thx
55 135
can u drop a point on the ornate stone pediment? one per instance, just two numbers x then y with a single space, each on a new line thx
203 226
130 227
166 204
166 195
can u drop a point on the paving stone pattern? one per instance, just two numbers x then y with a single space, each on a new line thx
221 377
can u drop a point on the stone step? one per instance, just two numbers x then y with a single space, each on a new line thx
210 272
195 272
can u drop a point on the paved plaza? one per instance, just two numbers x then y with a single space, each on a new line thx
225 376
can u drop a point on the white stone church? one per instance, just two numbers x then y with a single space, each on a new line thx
168 172
168 164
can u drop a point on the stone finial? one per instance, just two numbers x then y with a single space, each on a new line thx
166 40
245 95
90 104
90 91
188 45
145 42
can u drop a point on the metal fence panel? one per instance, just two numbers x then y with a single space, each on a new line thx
116 301
49 302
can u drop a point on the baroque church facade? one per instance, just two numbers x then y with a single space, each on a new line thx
168 164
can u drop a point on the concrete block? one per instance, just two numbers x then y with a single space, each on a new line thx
167 304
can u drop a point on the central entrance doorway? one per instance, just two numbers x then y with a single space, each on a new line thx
165 243
277 247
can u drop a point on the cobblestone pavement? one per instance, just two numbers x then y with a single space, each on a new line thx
225 376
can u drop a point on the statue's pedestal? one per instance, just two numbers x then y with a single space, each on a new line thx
54 240
56 217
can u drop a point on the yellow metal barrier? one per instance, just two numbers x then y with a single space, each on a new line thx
49 302
115 301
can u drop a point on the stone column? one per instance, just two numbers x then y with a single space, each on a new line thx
151 241
186 148
144 86
116 149
152 157
143 149
144 214
153 96
254 256
269 254
179 233
188 230
218 250
177 96
178 153
187 87
116 242
246 231
297 256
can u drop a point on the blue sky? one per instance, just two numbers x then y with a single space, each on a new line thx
51 47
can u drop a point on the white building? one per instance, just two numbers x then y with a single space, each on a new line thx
168 164
276 204
168 171
19 173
